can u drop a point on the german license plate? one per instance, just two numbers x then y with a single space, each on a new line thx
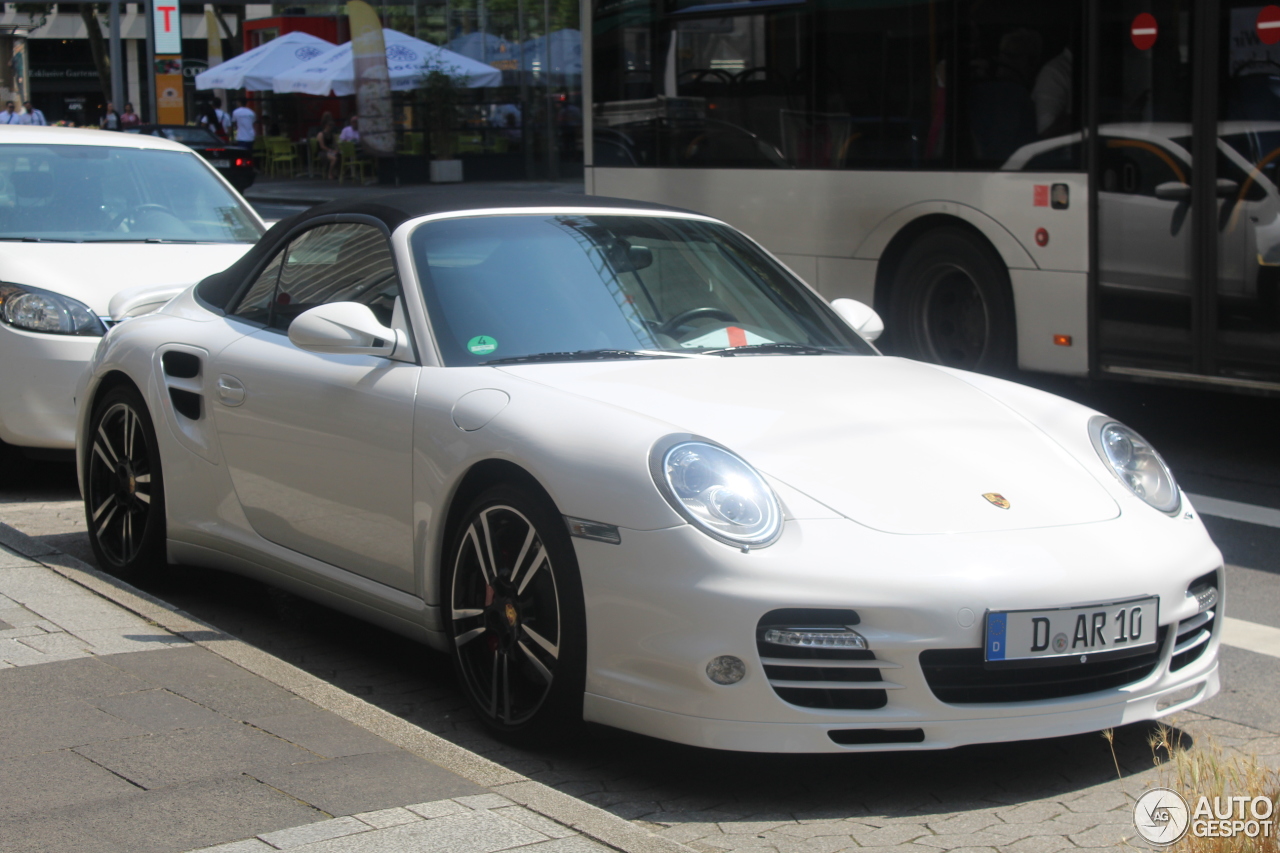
1066 634
220 164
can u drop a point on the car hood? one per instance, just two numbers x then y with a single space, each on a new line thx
895 445
94 272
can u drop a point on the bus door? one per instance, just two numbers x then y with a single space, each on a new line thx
1186 146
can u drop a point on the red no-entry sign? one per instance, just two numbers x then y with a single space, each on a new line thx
1143 31
1269 25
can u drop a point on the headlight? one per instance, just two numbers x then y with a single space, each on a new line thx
1135 463
41 311
716 491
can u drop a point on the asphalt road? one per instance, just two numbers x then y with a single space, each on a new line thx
1219 445
272 212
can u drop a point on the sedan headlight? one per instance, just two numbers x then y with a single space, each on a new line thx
716 491
37 310
1135 463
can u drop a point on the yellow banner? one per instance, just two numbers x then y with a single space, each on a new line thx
169 105
372 80
214 34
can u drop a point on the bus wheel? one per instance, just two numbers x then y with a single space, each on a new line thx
952 304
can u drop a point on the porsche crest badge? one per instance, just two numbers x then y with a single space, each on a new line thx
997 499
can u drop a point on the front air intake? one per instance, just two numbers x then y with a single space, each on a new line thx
1193 634
868 737
181 365
960 677
815 659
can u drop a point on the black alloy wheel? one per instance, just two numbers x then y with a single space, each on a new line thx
515 614
124 489
952 304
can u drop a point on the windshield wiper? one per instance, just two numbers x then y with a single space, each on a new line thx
791 349
587 355
37 240
142 240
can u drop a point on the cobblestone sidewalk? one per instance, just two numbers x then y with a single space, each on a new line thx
118 733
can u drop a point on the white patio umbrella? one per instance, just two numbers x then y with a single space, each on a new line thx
254 69
565 48
483 47
408 61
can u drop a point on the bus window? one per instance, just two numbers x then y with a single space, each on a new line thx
1020 82
916 84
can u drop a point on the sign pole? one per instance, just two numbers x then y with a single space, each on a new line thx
149 75
117 63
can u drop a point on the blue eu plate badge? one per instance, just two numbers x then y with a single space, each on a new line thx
996 623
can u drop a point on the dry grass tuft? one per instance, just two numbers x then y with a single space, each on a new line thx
1209 771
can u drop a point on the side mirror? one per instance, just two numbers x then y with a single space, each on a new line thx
345 327
861 317
1173 191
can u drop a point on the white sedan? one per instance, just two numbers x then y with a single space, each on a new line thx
624 466
85 215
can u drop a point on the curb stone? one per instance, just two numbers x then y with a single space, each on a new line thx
589 820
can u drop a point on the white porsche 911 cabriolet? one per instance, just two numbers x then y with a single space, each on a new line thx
624 466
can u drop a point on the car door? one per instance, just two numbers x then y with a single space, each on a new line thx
319 446
1144 195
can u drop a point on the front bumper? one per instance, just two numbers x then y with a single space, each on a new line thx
38 387
664 603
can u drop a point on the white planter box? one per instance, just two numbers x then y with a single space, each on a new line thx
446 171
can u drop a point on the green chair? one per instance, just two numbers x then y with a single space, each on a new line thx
469 143
413 144
349 160
281 156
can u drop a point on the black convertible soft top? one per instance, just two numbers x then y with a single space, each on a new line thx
393 210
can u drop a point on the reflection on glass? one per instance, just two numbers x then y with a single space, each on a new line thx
100 194
1247 324
1145 227
835 85
554 287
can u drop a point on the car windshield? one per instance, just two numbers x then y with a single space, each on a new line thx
190 135
572 286
96 193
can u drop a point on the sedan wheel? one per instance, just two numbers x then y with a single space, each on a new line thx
516 615
124 492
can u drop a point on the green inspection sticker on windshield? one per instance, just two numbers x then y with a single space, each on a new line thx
481 345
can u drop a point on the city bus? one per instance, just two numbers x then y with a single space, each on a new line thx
1080 187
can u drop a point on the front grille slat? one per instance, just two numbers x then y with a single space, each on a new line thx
1187 626
832 664
836 685
1187 645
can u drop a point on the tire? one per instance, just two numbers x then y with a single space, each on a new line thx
124 486
518 634
952 304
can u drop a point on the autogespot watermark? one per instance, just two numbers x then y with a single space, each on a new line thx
1162 816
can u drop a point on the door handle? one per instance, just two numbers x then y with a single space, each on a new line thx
230 390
